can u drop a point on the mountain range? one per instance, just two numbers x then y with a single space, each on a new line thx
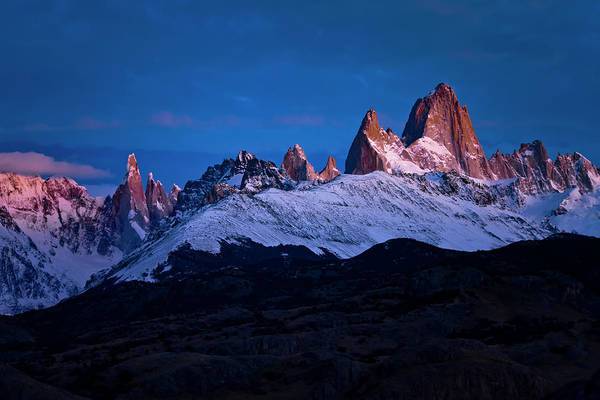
432 183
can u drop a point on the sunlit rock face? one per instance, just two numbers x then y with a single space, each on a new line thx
442 119
160 205
330 171
297 166
537 173
130 209
373 148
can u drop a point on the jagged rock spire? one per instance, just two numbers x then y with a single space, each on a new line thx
330 171
174 194
370 147
537 173
159 204
129 208
135 188
440 117
297 166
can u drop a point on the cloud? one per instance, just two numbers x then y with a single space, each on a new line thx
84 123
242 99
90 123
300 120
31 163
38 127
169 120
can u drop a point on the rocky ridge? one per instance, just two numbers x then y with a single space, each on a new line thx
437 180
439 136
296 165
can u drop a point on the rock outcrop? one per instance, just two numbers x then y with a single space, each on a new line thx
297 166
174 194
373 148
244 174
439 137
130 214
537 173
330 171
440 118
158 202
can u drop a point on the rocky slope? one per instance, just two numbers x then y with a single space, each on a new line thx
404 320
345 217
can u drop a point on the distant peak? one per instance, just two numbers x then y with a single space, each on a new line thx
443 86
370 123
535 145
298 151
445 91
371 115
132 162
296 164
245 156
330 171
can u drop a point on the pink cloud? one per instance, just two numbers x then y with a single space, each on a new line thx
84 123
302 120
170 120
31 163
90 123
38 127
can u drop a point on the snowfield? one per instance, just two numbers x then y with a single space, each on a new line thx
570 211
345 216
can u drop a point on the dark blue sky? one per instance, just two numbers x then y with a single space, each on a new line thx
186 83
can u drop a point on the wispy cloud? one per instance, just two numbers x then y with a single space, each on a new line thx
91 123
242 99
31 163
38 127
84 123
169 120
300 120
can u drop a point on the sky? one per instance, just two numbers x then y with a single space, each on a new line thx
184 84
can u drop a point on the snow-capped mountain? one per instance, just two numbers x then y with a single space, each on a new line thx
52 239
433 183
133 212
54 235
26 278
439 136
346 216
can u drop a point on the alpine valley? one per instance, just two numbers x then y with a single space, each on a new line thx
433 183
